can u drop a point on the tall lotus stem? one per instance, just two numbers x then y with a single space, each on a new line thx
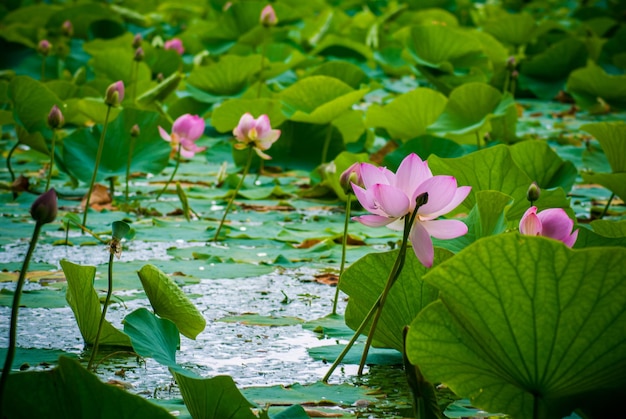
44 47
134 133
107 300
55 121
246 169
344 244
173 173
329 134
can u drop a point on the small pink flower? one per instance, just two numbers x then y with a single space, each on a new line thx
175 44
67 28
185 131
390 197
256 133
114 95
268 16
352 175
553 223
44 47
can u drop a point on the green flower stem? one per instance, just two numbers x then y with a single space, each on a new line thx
173 173
104 309
393 277
263 53
329 134
343 250
14 311
133 79
95 169
608 204
246 169
43 68
54 132
130 158
478 146
9 167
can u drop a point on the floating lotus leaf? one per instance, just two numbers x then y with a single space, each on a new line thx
514 29
345 71
407 116
230 76
527 326
591 86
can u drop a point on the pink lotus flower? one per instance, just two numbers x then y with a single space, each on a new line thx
185 131
256 133
392 196
268 16
175 44
553 223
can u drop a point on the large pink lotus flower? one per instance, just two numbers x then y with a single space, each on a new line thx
392 196
256 133
186 130
553 223
175 44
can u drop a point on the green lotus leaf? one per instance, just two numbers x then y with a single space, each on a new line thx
518 338
213 398
445 49
152 337
84 302
318 99
161 91
423 146
349 73
543 165
609 228
340 46
469 108
545 74
150 152
70 391
615 182
612 138
170 302
591 85
513 29
365 280
32 102
407 116
226 116
230 76
495 169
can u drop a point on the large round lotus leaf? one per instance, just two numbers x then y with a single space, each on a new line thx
612 138
408 115
515 29
527 326
470 107
591 86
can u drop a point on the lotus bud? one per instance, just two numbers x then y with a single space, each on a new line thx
137 40
351 175
159 77
533 192
114 94
514 74
55 118
44 209
139 54
511 63
44 47
176 45
268 16
135 131
67 29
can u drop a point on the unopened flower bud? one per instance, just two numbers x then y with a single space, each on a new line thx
139 54
533 192
351 175
268 16
44 209
44 47
114 94
159 77
511 63
55 117
514 74
67 29
137 40
135 131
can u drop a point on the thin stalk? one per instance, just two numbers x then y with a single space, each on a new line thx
95 169
9 167
112 186
133 80
344 244
104 311
246 169
161 110
54 132
173 173
478 140
608 204
263 52
329 133
14 311
130 158
393 277
43 68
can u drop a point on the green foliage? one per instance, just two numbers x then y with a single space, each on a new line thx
612 138
68 391
593 88
170 302
524 326
228 77
84 302
152 337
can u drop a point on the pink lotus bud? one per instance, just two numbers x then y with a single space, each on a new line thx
137 41
135 131
175 44
55 117
44 47
139 54
44 209
67 29
114 94
352 175
268 16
